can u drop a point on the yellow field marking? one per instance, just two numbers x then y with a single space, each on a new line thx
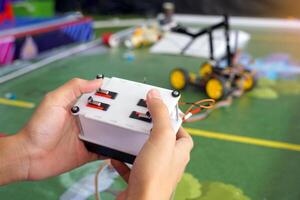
246 140
16 103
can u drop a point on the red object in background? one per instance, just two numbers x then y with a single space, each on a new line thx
2 135
7 14
106 38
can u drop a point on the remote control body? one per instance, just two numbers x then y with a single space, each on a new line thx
115 121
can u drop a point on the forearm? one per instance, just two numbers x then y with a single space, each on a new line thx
14 159
147 192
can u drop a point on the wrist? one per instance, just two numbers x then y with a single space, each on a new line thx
14 159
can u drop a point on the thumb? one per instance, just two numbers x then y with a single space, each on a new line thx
76 87
69 92
159 113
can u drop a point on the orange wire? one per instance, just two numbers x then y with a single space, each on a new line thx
199 104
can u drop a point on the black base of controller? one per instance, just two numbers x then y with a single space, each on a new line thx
110 153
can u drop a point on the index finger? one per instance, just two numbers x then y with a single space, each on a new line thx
122 169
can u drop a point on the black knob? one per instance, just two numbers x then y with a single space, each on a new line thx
100 76
90 99
175 93
75 109
148 114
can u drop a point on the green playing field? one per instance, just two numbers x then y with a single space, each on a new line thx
263 173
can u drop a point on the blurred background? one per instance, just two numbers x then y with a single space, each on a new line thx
261 8
257 8
246 148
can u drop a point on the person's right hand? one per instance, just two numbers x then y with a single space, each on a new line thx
161 162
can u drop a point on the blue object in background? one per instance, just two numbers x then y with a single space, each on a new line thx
80 33
10 95
273 66
2 5
129 56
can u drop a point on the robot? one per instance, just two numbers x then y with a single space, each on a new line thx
217 82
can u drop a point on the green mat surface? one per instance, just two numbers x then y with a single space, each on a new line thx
262 173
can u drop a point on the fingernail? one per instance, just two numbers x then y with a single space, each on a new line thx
154 94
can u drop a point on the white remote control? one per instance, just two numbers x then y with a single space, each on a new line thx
115 121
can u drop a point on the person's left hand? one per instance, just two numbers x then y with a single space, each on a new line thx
51 136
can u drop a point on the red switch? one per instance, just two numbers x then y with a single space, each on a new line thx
106 94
